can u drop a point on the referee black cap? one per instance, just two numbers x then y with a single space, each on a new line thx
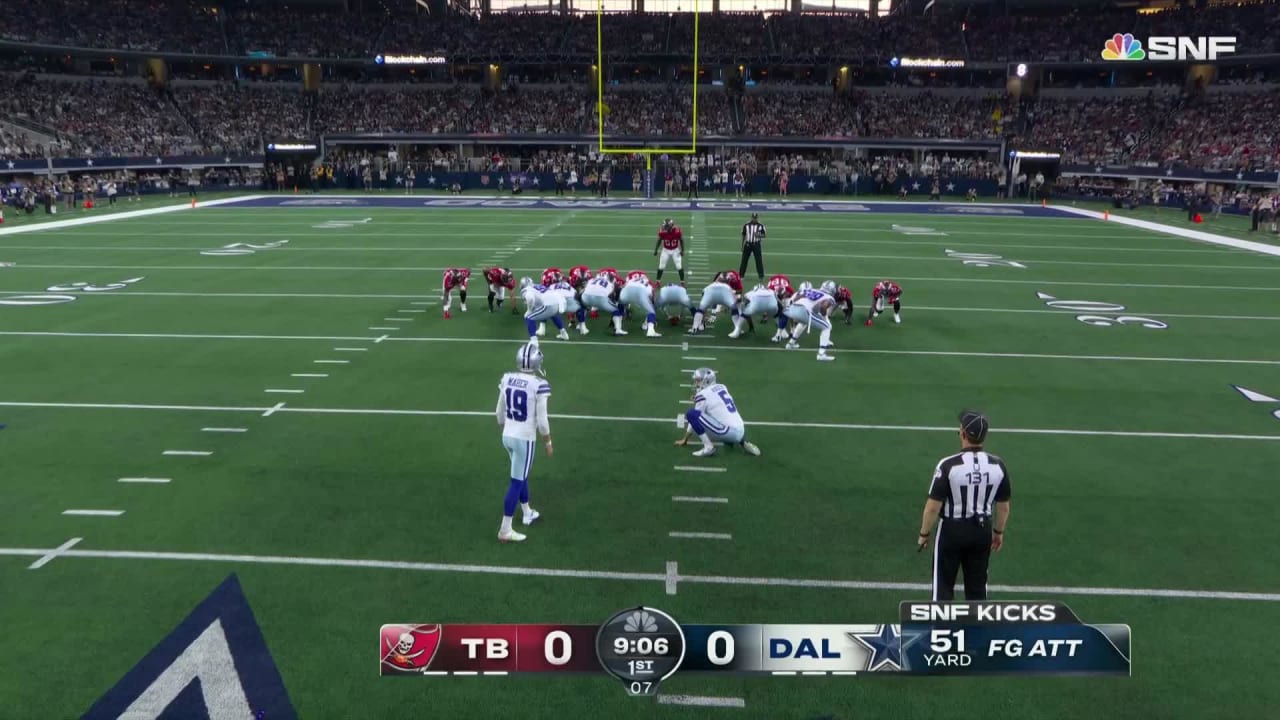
755 216
975 426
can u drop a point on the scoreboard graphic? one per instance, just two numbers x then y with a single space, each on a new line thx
643 646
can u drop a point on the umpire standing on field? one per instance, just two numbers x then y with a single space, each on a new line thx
752 237
966 488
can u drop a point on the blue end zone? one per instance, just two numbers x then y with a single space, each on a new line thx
491 201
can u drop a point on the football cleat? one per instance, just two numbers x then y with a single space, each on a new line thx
464 307
531 517
705 452
562 335
582 329
823 357
652 333
751 448
897 318
511 536
792 344
542 329
619 333
735 334
447 315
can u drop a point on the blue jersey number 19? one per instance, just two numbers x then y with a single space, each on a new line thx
517 405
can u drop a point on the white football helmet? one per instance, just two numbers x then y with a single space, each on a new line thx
526 282
829 287
703 377
806 286
529 359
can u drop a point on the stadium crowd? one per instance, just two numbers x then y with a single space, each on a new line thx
973 34
1221 130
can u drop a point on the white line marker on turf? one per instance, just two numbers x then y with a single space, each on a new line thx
697 357
697 468
94 513
350 349
688 385
397 319
224 429
411 311
421 302
673 577
685 402
331 362
696 499
49 556
684 346
284 391
786 672
899 587
311 375
188 453
702 701
272 410
155 481
700 535
465 673
382 327
378 340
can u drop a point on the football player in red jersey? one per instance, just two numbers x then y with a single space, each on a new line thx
730 278
781 286
455 278
551 276
671 242
885 292
500 281
578 276
844 300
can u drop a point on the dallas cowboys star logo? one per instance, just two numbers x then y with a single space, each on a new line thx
431 179
915 186
10 164
89 163
536 182
158 161
1168 172
951 187
886 645
1239 176
812 184
706 183
226 161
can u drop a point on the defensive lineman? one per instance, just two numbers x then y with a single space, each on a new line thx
671 242
522 415
714 416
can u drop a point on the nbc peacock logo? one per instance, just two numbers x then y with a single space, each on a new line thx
1123 47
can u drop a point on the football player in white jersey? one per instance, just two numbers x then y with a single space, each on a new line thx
674 296
522 415
600 294
714 417
760 301
638 292
542 304
811 308
720 293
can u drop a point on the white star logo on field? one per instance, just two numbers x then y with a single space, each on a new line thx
89 163
915 186
812 184
951 187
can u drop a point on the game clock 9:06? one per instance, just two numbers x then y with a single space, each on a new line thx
641 647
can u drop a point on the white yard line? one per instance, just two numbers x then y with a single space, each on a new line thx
224 429
310 375
1211 238
94 513
700 535
702 701
648 577
145 480
698 357
127 215
382 328
331 362
694 499
673 577
350 349
49 556
646 345
394 319
284 391
273 410
699 468
281 408
187 453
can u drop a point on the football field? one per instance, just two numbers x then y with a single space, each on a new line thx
271 392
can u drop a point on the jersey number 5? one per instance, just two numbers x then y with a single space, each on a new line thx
728 401
517 405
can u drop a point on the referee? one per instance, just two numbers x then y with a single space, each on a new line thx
965 488
752 237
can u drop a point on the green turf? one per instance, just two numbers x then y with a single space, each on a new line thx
204 332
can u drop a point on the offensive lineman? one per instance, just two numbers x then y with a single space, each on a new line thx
673 295
522 415
456 278
812 308
671 242
639 292
714 417
542 304
600 294
723 291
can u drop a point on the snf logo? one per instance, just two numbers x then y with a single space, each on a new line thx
1161 47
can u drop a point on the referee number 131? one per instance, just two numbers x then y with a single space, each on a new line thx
946 641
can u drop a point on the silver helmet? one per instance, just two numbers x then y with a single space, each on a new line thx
704 377
829 287
529 359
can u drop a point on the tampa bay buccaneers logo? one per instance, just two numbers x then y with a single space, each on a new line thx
407 648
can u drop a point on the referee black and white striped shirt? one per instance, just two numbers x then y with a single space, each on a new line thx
969 483
752 233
